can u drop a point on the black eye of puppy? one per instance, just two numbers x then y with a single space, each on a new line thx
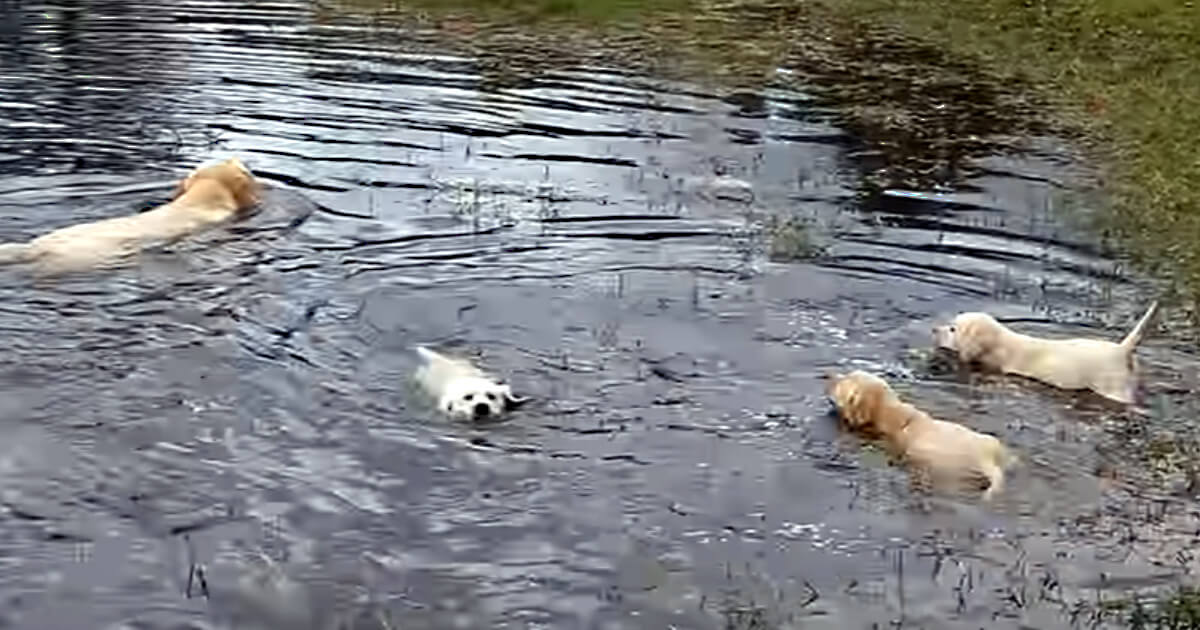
468 396
491 396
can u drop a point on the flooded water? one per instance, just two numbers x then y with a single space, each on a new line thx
226 435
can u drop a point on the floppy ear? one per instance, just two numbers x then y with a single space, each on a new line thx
848 397
251 191
511 400
890 420
181 187
245 189
974 340
865 401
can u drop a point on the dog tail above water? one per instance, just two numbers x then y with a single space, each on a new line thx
1130 342
430 357
11 253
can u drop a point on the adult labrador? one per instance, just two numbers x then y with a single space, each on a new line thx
209 196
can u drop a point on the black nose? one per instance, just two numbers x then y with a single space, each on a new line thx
482 410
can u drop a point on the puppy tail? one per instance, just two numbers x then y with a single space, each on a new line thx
995 484
1135 336
11 253
1003 457
429 355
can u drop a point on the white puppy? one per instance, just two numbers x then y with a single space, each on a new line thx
463 391
1107 368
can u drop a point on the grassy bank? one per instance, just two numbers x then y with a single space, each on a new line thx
1125 72
926 85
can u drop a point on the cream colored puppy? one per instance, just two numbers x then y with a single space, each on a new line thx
206 198
934 450
463 391
1107 368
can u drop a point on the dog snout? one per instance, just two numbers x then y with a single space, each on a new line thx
482 410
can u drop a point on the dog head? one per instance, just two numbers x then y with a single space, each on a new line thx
861 399
230 176
477 398
972 336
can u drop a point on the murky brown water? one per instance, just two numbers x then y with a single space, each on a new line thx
241 404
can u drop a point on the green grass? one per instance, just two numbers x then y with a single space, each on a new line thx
923 80
598 11
1125 72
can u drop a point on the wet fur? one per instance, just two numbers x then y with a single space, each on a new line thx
207 197
935 451
1104 367
460 388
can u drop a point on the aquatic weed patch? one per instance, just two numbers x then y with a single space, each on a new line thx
1176 610
791 239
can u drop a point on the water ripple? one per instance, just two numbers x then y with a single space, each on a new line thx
240 403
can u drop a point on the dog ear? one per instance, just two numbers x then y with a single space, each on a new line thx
181 187
862 403
846 396
245 189
973 339
865 403
511 400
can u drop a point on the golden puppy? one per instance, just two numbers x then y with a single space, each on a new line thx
207 197
934 450
1104 367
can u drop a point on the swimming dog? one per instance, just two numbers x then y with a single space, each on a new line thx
209 196
463 391
933 450
1106 368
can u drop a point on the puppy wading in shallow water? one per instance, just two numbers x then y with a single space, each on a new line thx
463 391
935 451
206 198
1106 368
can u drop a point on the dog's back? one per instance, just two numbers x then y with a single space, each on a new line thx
207 197
1105 367
437 370
958 453
946 451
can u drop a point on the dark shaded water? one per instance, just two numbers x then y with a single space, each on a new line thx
241 404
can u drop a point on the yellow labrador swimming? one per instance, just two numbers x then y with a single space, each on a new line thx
934 450
1107 368
206 198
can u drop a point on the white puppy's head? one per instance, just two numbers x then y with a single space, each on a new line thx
476 398
972 336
